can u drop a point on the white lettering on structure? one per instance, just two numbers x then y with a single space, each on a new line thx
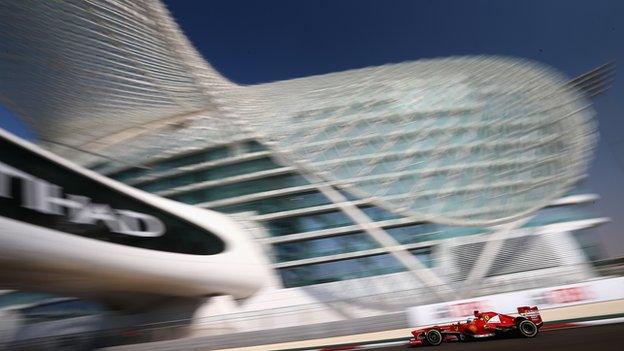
42 196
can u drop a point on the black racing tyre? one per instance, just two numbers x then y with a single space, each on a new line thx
527 329
434 337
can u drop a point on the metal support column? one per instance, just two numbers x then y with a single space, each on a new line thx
488 255
413 265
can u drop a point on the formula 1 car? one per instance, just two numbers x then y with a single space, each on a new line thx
482 325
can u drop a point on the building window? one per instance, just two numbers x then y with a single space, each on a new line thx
278 204
213 173
307 223
191 159
187 160
378 214
419 232
590 244
340 270
215 193
423 254
129 174
558 214
323 247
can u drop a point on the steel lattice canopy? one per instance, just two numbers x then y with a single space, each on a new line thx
471 141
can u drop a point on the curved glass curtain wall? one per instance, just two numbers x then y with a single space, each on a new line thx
278 203
297 250
337 232
207 174
360 267
220 192
187 159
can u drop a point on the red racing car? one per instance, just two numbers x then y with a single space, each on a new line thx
482 325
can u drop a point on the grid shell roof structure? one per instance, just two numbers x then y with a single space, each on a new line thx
461 140
81 71
474 140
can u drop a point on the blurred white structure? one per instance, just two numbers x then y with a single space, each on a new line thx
68 230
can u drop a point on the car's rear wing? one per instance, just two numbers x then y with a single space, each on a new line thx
531 313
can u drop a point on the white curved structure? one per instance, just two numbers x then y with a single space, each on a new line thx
61 231
117 64
463 141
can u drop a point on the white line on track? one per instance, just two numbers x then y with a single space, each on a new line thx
372 345
382 344
602 321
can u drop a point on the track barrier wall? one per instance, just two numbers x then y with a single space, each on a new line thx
545 298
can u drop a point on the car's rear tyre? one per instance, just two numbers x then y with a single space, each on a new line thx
527 329
434 337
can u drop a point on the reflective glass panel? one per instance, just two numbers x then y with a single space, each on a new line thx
214 193
323 247
307 223
413 233
278 204
340 270
129 174
558 214
190 159
213 173
378 214
424 255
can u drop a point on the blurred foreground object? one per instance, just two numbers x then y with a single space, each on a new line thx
74 231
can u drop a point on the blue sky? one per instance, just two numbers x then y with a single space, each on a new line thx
260 41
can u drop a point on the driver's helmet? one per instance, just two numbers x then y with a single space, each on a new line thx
477 314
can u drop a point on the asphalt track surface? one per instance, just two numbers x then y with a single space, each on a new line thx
595 338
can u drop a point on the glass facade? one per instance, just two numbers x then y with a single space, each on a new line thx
22 298
130 174
473 143
188 159
278 203
563 213
348 269
37 307
60 310
214 193
333 245
340 270
308 223
590 244
337 233
420 232
191 159
212 173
